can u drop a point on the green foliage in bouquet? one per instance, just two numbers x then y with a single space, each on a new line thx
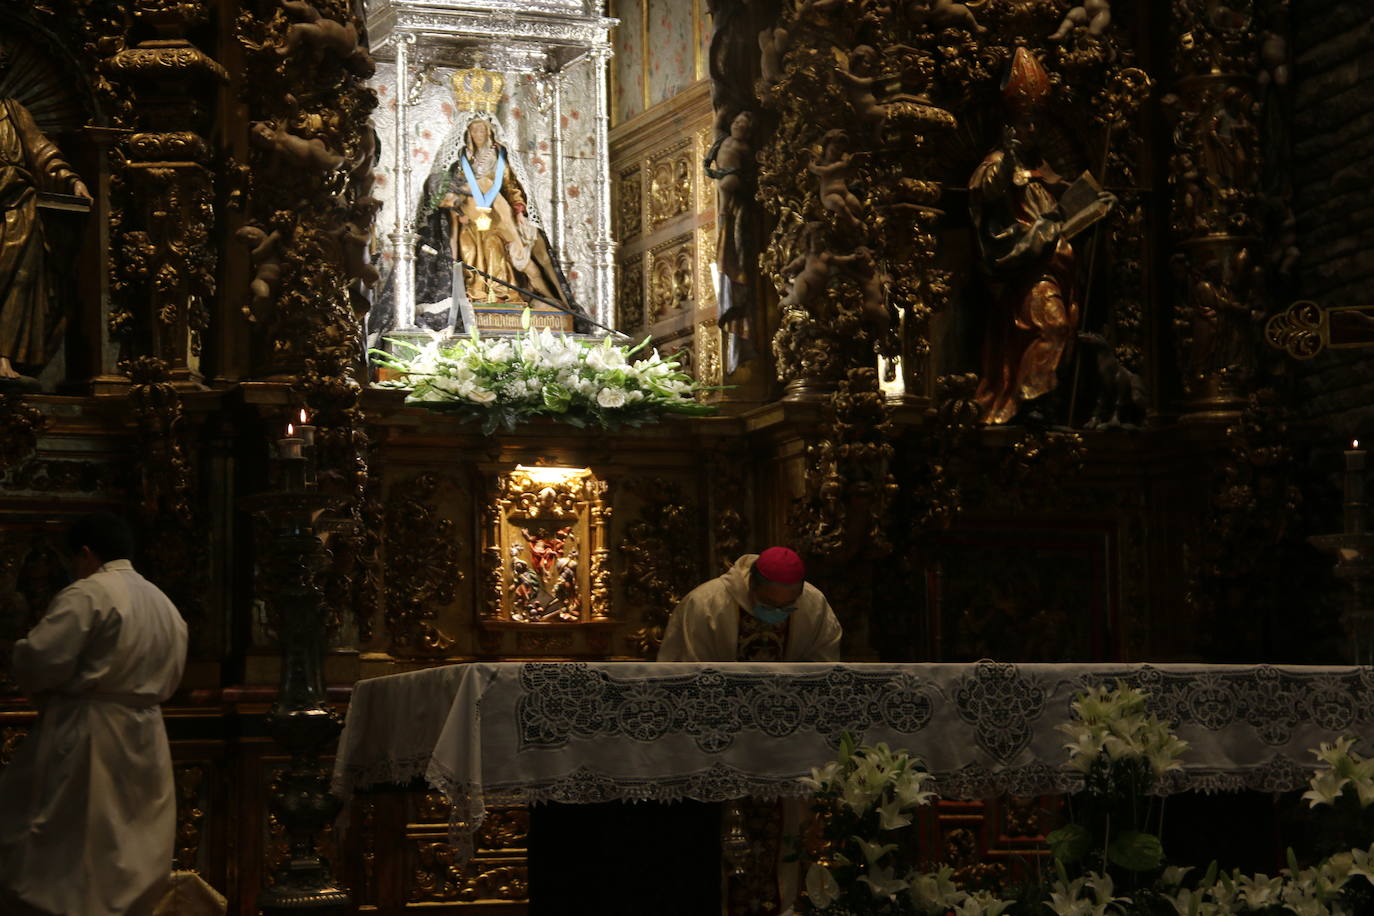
1116 820
868 799
506 381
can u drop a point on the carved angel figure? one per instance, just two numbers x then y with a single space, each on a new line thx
833 171
946 14
1096 15
860 80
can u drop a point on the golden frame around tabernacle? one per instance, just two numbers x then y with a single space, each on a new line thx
545 555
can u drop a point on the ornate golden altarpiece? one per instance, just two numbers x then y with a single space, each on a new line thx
233 252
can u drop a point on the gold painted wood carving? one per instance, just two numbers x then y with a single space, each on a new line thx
671 177
629 205
672 286
545 549
630 295
661 563
422 569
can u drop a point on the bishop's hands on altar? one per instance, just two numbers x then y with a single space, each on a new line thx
762 609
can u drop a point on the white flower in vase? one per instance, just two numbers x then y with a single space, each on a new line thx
611 397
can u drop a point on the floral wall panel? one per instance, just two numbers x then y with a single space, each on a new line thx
628 61
671 49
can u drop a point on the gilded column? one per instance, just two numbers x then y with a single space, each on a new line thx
166 264
1215 178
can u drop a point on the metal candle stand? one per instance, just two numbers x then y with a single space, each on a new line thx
301 720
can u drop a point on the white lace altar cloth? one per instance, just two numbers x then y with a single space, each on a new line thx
518 733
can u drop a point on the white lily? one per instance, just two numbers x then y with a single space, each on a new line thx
821 886
890 816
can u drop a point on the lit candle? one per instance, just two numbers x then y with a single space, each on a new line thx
290 447
1354 489
305 430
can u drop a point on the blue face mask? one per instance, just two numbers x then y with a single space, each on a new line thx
771 615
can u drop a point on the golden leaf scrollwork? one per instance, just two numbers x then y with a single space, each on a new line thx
190 786
20 425
10 738
521 494
440 875
629 205
1297 330
661 564
422 566
672 286
671 176
630 295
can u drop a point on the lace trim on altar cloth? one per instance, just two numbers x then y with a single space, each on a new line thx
724 783
391 770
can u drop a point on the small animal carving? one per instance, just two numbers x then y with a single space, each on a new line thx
1121 400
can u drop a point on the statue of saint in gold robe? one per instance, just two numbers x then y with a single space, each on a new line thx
30 327
489 227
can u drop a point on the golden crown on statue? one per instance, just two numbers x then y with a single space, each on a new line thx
477 89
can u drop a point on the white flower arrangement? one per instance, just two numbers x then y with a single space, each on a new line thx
1305 892
1345 769
872 794
506 381
1111 724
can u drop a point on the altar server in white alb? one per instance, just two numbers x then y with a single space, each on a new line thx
88 806
761 610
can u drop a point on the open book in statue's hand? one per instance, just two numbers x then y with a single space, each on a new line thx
1083 204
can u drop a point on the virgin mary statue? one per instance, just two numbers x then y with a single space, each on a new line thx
475 211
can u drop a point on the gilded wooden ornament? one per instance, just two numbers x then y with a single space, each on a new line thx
660 561
20 425
422 566
630 295
545 547
190 787
629 205
670 184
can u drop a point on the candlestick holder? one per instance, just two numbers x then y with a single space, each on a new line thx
301 720
1354 552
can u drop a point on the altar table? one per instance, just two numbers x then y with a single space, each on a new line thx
575 732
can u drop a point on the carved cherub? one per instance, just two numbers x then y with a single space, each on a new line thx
1274 58
945 14
772 46
316 31
810 270
1096 14
301 152
861 81
265 253
833 172
873 281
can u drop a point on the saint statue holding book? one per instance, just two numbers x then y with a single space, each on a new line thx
1025 215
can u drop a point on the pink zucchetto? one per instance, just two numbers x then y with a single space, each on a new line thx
778 564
